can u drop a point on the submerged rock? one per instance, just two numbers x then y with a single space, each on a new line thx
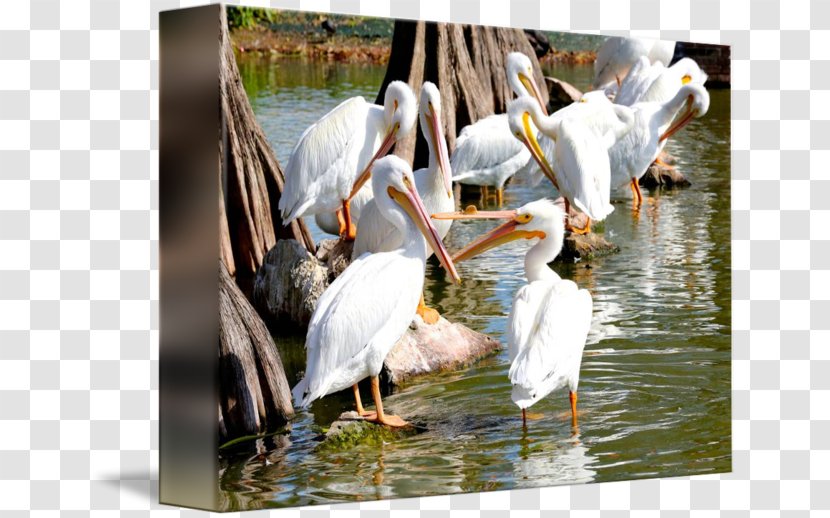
658 175
444 346
351 430
586 246
560 93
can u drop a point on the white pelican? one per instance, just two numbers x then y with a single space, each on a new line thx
369 306
333 158
550 318
631 155
581 171
648 82
485 154
617 55
434 185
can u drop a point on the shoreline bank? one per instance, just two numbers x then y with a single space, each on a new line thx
350 49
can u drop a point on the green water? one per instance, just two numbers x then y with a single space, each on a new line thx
655 379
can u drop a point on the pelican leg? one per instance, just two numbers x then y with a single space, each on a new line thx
350 230
429 315
584 230
524 418
381 417
341 221
485 192
500 195
359 404
638 196
568 226
573 408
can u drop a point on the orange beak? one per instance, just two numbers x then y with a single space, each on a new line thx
500 235
411 202
531 86
529 140
685 118
437 141
384 148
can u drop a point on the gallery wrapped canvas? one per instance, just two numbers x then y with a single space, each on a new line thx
403 258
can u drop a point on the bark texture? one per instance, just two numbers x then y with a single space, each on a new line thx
254 395
466 63
252 181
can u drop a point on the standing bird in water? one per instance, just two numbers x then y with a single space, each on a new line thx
434 185
551 317
617 55
332 161
654 122
485 153
581 170
369 306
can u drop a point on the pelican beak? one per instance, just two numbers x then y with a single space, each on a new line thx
411 202
384 148
438 143
688 114
529 140
504 233
531 86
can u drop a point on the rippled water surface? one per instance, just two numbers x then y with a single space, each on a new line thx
655 380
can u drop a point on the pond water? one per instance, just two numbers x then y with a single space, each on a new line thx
655 379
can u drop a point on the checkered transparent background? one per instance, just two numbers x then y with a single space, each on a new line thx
79 255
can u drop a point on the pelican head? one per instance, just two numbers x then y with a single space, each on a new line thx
696 105
433 130
520 112
689 71
399 112
398 199
540 219
520 78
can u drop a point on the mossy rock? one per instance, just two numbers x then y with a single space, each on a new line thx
350 430
586 247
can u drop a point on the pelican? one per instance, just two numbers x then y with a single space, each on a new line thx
581 171
632 154
617 55
648 82
550 318
434 185
333 158
369 306
485 153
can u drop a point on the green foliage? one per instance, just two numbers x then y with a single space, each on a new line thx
299 22
568 41
249 17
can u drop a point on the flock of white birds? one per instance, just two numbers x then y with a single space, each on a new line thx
608 138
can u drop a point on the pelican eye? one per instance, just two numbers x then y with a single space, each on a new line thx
407 183
396 104
583 100
524 218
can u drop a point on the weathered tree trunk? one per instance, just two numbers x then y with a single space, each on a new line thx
251 181
254 395
466 63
